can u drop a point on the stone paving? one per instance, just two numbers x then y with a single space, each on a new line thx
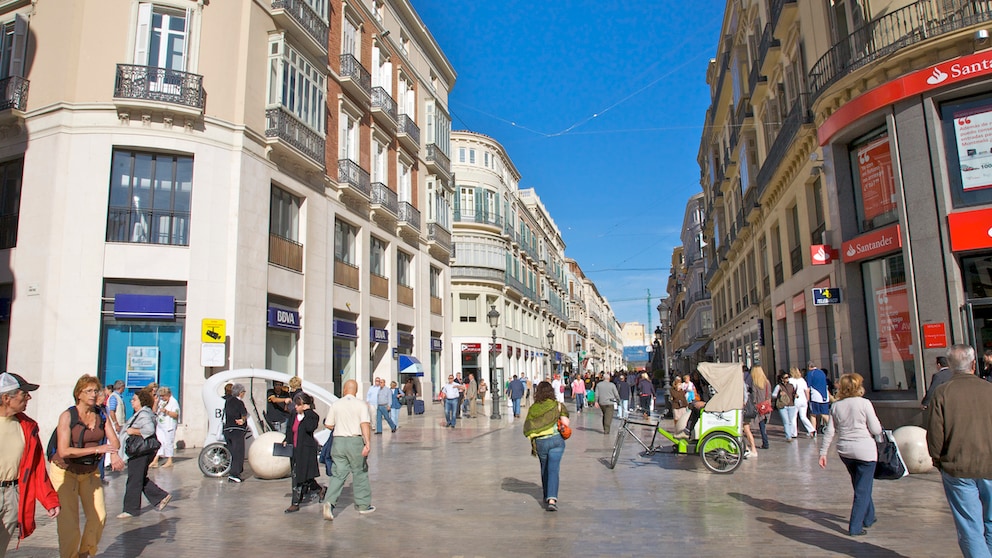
476 491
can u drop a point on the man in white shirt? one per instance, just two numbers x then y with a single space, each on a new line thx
450 393
351 423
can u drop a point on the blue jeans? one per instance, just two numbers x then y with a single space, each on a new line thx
580 398
516 407
382 411
450 411
549 452
763 425
788 415
623 411
971 506
863 509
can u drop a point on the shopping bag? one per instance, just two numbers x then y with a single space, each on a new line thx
890 464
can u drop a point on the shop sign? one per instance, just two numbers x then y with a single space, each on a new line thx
471 347
379 335
878 185
436 345
822 254
283 319
875 243
213 330
823 297
970 230
934 336
344 328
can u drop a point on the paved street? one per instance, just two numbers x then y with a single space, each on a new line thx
475 491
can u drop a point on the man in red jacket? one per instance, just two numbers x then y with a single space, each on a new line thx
23 476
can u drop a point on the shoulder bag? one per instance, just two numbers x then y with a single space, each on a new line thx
563 429
890 465
136 446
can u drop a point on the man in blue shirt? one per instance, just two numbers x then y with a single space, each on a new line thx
819 404
517 390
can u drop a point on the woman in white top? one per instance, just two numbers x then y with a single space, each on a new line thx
167 419
853 418
802 402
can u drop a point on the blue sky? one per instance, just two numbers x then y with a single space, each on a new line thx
600 106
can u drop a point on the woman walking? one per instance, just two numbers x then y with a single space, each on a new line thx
679 402
75 472
762 393
168 420
579 393
853 419
785 401
304 460
541 426
802 401
142 424
235 427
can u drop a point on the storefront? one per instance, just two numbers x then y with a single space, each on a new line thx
281 337
344 359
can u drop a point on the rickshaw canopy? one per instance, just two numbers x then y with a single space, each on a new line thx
727 380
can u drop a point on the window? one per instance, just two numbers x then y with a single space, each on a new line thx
816 212
149 198
10 200
14 47
967 157
377 257
466 202
406 97
889 321
162 37
345 238
296 84
403 261
284 215
461 154
471 156
404 192
795 242
468 308
378 162
349 39
874 180
349 137
435 282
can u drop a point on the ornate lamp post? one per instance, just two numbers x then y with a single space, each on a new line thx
661 337
551 360
494 387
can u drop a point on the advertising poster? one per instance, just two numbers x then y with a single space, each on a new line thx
973 130
892 313
878 187
142 366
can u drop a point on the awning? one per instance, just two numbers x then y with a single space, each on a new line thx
694 348
410 365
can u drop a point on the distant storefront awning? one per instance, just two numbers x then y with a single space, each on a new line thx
694 348
410 365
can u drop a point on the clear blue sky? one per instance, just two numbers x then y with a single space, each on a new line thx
600 105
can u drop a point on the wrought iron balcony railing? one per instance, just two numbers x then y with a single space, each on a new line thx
306 17
350 173
439 234
382 195
352 69
159 84
436 156
382 101
279 123
15 93
141 226
409 215
407 126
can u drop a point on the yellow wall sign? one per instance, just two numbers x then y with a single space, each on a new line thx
213 331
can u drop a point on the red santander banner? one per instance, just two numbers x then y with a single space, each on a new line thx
970 230
870 245
878 185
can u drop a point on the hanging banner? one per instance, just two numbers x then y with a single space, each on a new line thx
892 315
878 186
973 131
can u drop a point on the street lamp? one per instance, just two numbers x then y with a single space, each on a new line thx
661 336
493 317
551 363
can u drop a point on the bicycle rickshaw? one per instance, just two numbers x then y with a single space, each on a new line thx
717 434
215 457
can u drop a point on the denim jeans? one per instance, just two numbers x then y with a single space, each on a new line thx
450 411
580 398
763 425
516 407
971 506
862 478
788 415
549 452
624 410
382 411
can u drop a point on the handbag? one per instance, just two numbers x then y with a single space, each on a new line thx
764 407
136 446
890 464
563 429
750 410
282 450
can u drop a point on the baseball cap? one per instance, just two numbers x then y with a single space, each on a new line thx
11 382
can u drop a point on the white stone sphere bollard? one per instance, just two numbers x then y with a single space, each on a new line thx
912 442
263 463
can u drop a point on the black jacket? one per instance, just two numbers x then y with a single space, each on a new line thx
305 449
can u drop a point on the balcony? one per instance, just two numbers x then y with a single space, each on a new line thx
345 274
409 217
783 14
383 107
355 79
404 295
767 49
754 79
477 273
15 93
439 236
903 27
126 224
437 306
147 87
799 115
437 162
304 23
354 178
383 199
379 285
285 133
408 133
284 252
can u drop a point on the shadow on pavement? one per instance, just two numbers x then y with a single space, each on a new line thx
839 544
830 521
134 541
511 484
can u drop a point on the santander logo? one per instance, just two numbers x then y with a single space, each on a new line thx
820 255
851 251
937 77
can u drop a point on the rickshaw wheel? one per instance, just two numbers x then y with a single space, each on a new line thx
616 448
721 452
215 460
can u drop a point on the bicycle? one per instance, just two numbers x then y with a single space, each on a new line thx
625 431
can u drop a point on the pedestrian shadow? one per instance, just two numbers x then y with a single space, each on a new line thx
830 521
822 540
511 484
133 542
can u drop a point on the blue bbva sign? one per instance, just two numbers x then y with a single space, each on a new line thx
379 335
283 319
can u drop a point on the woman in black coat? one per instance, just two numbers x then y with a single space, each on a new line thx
304 461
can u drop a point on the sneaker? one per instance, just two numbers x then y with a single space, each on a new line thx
124 515
552 506
328 511
684 435
367 511
164 502
788 440
233 478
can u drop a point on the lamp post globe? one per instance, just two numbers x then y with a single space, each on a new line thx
493 317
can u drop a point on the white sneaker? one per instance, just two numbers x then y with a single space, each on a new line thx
370 509
328 511
124 515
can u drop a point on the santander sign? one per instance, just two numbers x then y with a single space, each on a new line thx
875 243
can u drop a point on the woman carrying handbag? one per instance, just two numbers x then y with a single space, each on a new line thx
142 426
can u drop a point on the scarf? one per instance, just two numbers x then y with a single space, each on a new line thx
542 419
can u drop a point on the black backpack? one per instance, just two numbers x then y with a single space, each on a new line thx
53 443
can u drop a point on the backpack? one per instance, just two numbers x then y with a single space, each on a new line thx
53 443
786 396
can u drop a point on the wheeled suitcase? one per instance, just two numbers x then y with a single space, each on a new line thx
418 407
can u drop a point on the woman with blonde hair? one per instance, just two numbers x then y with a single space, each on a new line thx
762 393
853 418
802 402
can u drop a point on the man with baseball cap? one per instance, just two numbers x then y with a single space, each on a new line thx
23 476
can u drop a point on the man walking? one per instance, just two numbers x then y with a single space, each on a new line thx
606 397
819 404
449 394
115 406
957 421
516 391
23 477
384 398
349 420
471 394
943 375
